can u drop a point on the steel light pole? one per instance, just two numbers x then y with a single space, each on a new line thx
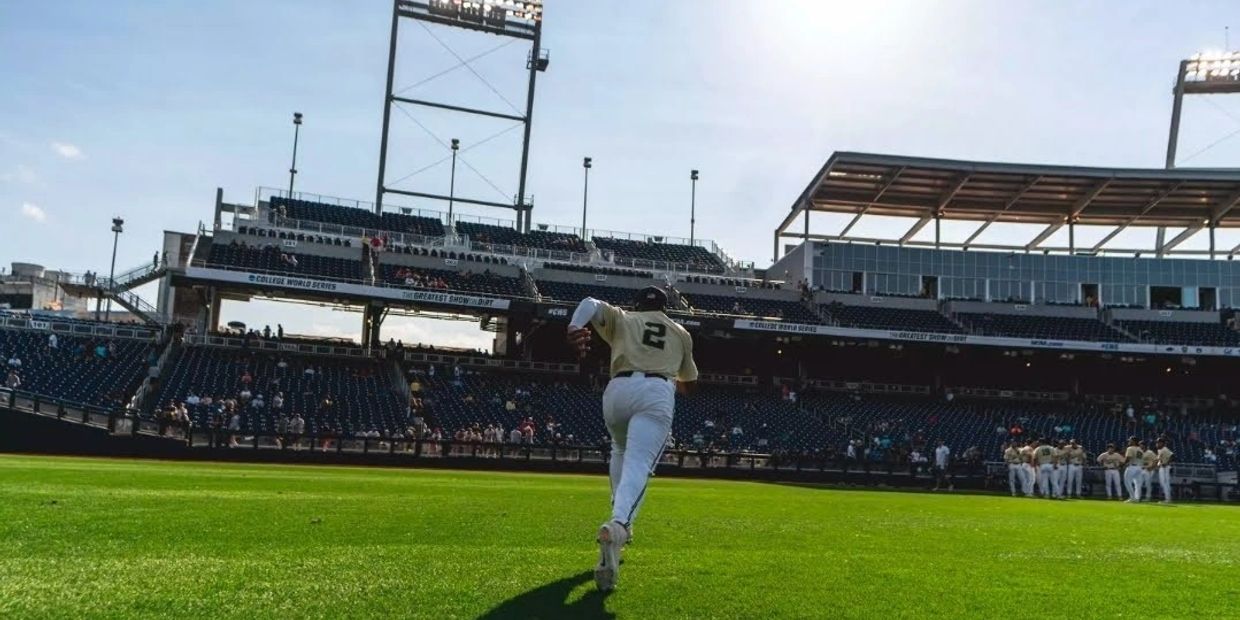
118 227
586 164
693 179
456 146
292 170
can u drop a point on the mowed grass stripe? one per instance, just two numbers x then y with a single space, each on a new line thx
117 538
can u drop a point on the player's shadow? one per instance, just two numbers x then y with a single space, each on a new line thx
551 601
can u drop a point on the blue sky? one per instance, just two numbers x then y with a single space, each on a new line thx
143 108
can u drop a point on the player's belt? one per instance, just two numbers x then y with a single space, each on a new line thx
630 373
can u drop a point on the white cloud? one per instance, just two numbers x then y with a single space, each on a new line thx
21 174
67 151
33 212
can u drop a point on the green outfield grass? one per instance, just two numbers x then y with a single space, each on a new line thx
114 538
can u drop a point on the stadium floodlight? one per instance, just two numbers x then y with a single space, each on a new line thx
519 19
1204 73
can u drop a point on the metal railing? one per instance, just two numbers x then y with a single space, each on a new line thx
265 193
74 327
116 420
206 264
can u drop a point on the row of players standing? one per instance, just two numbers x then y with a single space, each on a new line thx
1057 471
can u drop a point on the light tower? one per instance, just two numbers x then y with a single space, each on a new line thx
517 19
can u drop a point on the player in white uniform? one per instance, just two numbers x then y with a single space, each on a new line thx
1164 469
1046 459
1132 473
1111 460
1075 456
651 356
1026 467
1011 456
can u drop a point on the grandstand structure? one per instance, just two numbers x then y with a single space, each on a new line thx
883 344
837 342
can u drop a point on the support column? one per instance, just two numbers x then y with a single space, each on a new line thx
1071 236
938 229
213 310
1212 240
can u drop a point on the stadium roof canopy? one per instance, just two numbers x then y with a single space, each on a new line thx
926 190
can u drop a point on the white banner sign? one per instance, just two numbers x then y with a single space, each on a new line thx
993 341
348 288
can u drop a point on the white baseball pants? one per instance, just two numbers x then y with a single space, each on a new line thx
1112 481
1147 481
1132 480
638 413
1015 475
1164 481
1030 478
1073 484
1046 480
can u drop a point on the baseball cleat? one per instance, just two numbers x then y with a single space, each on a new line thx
611 538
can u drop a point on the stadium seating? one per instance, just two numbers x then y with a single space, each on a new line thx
488 234
748 306
1026 326
625 251
363 398
573 292
271 258
459 398
74 371
356 217
607 271
1173 332
870 317
466 280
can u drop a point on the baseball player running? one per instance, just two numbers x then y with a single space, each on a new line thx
651 357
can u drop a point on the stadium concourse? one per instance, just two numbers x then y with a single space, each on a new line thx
840 360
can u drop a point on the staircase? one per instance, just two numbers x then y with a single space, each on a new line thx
139 307
118 289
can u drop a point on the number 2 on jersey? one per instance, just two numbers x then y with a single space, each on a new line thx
654 335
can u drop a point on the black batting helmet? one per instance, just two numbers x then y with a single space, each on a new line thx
650 298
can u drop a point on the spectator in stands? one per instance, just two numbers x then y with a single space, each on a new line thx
281 430
53 342
279 332
234 427
13 381
15 361
277 402
296 427
942 467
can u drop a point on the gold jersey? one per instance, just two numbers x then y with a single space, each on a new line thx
1044 455
1132 456
647 342
1148 459
1110 460
1164 457
1075 455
